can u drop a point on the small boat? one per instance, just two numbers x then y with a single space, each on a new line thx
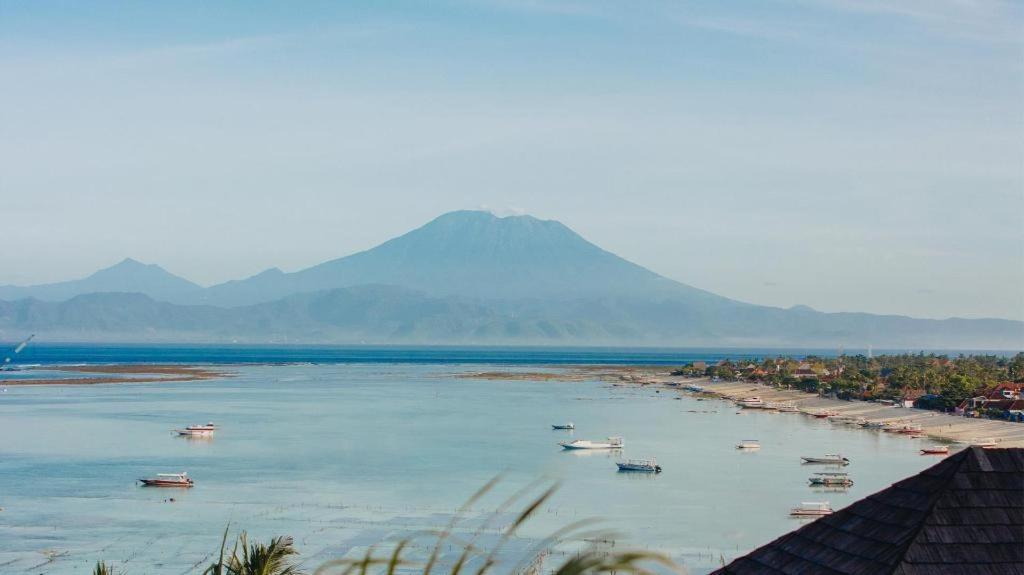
812 509
907 430
752 403
986 443
824 414
748 444
831 458
935 450
197 430
831 480
694 388
611 443
646 465
874 425
569 425
168 480
787 408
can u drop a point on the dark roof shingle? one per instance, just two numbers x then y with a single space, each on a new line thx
962 515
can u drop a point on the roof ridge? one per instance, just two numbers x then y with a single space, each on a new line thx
972 450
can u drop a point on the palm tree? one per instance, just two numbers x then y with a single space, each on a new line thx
275 558
102 569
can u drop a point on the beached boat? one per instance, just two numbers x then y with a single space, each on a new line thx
197 430
611 443
812 509
786 407
752 403
168 480
831 480
874 425
748 444
645 465
831 459
824 414
569 425
986 443
694 388
906 429
935 450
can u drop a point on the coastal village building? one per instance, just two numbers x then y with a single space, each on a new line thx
963 515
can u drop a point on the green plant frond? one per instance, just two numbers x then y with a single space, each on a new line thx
524 515
103 569
454 521
275 558
559 535
396 556
631 562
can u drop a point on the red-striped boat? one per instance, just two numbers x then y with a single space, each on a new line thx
168 480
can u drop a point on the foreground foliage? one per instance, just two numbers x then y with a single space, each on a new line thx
279 556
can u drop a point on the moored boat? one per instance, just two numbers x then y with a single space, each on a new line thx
830 458
645 465
569 425
168 480
752 403
824 414
611 443
812 509
749 444
874 425
197 430
787 407
986 443
831 479
935 450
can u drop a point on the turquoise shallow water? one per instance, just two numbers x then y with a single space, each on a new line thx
342 456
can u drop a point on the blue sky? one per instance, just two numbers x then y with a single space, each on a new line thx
844 155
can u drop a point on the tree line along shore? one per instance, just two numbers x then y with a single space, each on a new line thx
988 386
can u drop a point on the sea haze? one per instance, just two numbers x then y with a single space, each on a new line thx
343 456
463 278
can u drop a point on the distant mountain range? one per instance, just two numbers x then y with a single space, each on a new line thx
465 277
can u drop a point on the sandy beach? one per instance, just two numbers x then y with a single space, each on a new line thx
939 426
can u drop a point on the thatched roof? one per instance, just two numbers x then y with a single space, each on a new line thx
964 515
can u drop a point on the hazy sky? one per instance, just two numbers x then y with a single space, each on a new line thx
847 155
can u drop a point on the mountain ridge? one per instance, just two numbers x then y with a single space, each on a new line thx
464 277
128 275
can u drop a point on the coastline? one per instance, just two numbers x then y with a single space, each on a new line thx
935 425
114 373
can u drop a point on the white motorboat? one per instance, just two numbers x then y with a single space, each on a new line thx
168 480
812 509
831 479
749 444
197 430
646 465
831 459
569 425
752 403
786 407
611 443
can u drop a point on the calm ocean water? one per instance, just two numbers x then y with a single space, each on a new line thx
346 454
